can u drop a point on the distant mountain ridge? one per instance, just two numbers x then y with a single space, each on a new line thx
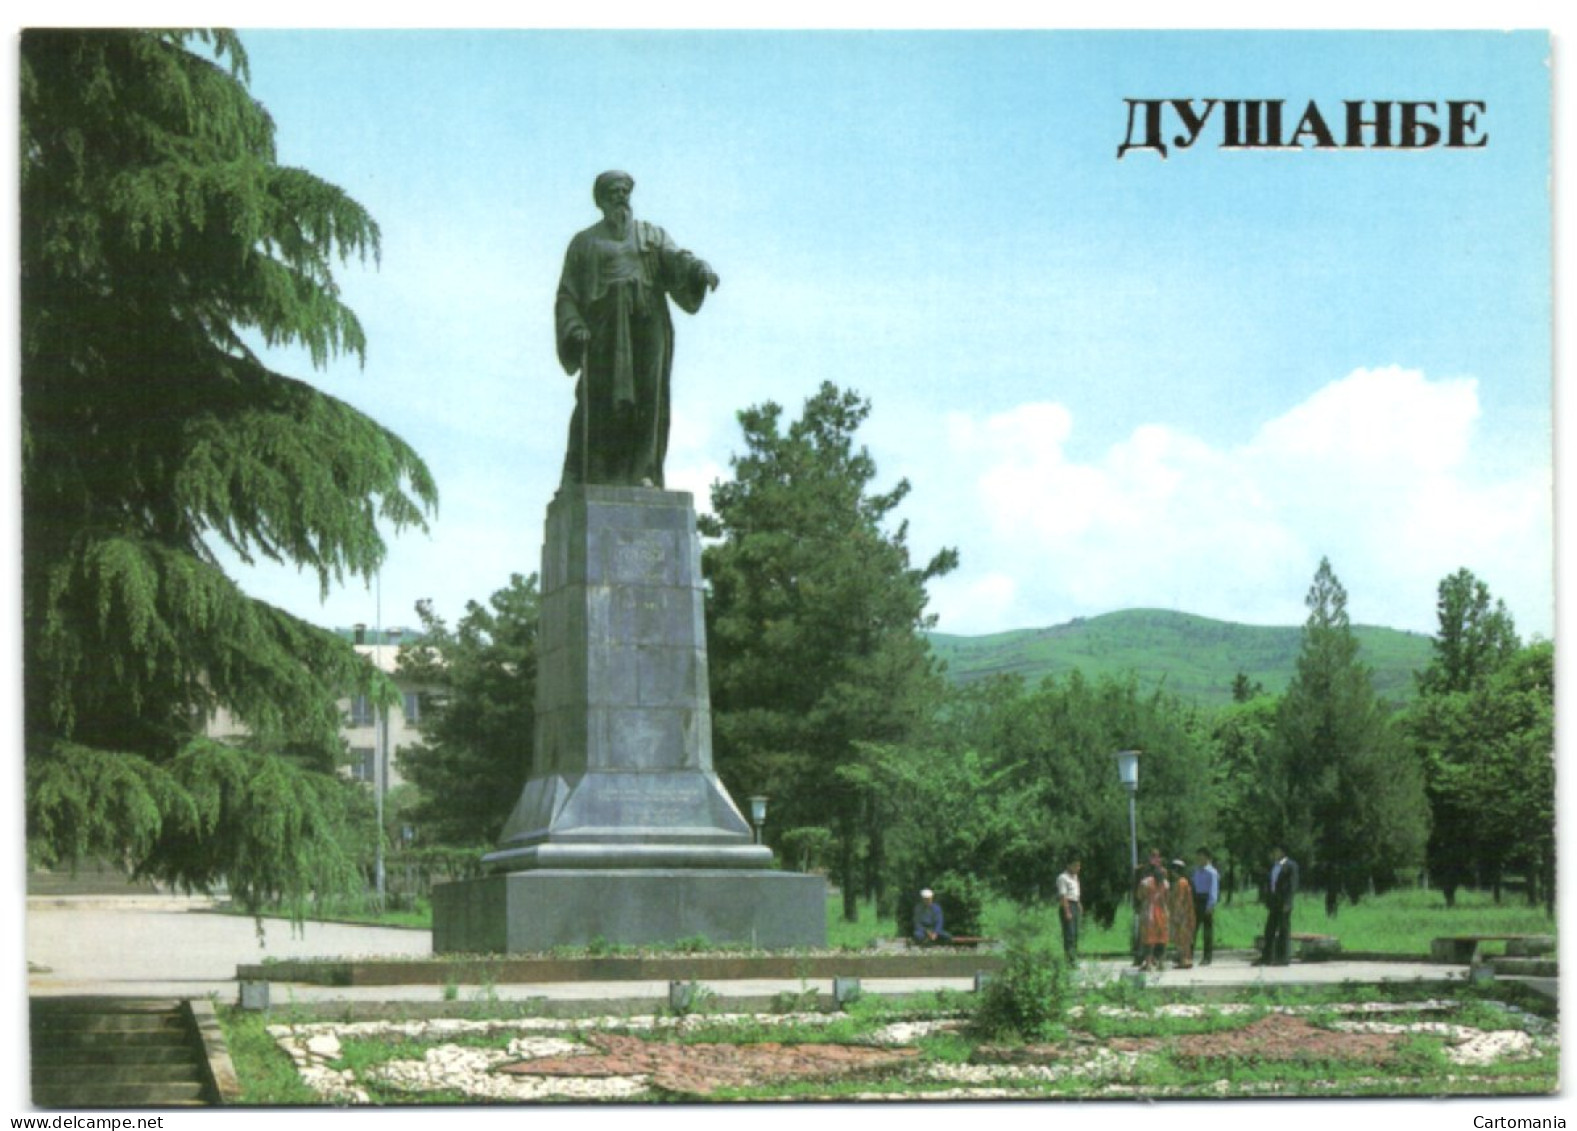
1189 656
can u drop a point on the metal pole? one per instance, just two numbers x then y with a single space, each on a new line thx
1133 854
1133 832
380 735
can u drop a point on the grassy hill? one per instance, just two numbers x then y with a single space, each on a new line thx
1191 657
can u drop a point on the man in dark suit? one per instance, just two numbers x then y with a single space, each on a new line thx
1282 889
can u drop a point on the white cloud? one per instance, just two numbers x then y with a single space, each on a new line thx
1376 471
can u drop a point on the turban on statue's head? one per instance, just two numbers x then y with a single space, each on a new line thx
608 178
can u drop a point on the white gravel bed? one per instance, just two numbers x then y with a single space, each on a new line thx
1469 1046
316 1048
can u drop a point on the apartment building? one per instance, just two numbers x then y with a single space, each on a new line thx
373 741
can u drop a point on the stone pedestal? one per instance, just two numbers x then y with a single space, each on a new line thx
623 832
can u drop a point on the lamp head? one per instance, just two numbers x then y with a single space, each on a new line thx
1128 768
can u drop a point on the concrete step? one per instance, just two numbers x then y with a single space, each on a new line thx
103 1003
1533 946
89 1039
175 1072
112 1054
129 1024
82 1094
108 1053
1525 967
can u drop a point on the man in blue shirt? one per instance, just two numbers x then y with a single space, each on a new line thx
928 921
1207 889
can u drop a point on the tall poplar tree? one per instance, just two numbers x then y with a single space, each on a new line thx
1351 797
158 231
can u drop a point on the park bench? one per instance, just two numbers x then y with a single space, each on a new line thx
1310 947
1464 949
959 942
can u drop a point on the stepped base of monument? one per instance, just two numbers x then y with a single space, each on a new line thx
603 857
525 912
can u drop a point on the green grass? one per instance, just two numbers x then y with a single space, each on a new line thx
1399 922
267 1075
860 934
1421 1067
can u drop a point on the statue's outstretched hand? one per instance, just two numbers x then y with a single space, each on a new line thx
708 277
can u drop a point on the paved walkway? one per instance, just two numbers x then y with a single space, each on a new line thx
157 946
154 946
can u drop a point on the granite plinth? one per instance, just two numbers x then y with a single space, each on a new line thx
545 908
623 831
623 750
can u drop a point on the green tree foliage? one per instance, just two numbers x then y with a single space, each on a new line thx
1009 784
1483 727
478 715
1055 789
814 622
1341 786
1475 638
1244 689
158 232
945 820
1243 776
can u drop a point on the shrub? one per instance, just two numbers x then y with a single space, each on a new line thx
1028 997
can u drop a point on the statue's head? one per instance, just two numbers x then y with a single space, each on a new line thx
607 182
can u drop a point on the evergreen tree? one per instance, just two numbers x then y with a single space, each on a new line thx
814 623
1349 796
478 715
158 231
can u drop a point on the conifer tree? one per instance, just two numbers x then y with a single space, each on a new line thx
158 235
814 623
1351 797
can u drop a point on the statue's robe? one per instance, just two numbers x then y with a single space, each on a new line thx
618 291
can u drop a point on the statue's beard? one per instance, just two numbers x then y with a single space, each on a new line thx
618 217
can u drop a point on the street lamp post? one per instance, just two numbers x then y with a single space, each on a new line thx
758 813
1128 774
380 739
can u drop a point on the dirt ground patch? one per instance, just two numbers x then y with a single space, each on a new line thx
1076 1047
1281 1037
701 1069
1277 1037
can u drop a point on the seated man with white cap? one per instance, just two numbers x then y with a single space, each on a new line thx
928 920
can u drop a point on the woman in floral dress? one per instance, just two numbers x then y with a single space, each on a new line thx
1181 915
1153 925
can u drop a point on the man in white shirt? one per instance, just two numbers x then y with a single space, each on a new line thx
1068 906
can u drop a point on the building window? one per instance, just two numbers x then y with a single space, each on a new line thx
413 707
365 764
361 711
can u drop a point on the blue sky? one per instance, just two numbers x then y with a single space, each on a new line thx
1111 383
